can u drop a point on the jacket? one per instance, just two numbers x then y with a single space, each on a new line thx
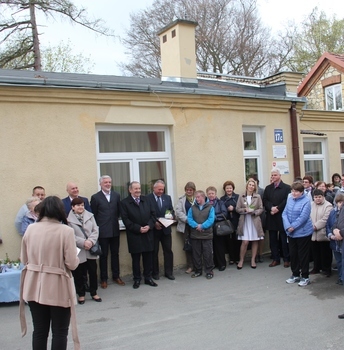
28 219
48 253
220 210
257 206
330 225
166 204
91 230
134 217
233 215
106 213
275 197
181 214
319 216
204 215
296 214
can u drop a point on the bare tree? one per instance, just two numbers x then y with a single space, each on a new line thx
19 31
230 37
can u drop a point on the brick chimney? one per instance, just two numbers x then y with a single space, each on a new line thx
178 53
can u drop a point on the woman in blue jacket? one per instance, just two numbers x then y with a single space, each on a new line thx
299 228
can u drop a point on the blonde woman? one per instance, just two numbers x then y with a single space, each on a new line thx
249 206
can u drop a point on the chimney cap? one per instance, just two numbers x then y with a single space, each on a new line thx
177 21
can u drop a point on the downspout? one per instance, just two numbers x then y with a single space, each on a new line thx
295 140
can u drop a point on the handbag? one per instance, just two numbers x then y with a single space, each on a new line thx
224 228
187 245
96 248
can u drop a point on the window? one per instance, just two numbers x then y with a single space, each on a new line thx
134 153
333 97
314 158
342 155
252 152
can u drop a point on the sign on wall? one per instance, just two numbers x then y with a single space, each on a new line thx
278 135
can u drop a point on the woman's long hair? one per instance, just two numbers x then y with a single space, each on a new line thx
52 208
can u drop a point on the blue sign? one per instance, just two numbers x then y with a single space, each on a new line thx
278 135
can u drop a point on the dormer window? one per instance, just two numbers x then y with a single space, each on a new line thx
333 97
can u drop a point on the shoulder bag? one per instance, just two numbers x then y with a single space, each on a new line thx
96 249
224 228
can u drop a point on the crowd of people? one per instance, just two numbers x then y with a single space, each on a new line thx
304 221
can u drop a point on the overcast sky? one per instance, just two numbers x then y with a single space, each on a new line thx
107 52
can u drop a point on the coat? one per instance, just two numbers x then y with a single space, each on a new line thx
181 214
275 197
160 213
257 205
91 229
106 213
48 253
296 214
134 217
319 216
233 215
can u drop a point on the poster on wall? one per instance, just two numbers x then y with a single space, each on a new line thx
279 151
283 166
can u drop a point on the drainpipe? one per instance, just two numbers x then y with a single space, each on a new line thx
295 140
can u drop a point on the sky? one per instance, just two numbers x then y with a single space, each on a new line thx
106 52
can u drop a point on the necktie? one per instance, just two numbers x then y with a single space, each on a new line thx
137 201
159 202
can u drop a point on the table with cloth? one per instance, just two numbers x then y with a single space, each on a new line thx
9 285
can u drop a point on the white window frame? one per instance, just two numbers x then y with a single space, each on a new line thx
333 89
323 156
255 154
134 158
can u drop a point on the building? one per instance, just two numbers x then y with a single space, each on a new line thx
321 122
186 126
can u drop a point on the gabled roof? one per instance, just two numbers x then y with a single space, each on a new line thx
325 61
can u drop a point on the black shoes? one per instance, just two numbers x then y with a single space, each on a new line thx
222 268
81 302
98 300
136 284
156 277
170 277
151 283
341 316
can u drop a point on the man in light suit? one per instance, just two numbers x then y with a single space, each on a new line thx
162 204
105 206
73 192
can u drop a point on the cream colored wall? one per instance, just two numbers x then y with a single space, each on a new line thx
48 138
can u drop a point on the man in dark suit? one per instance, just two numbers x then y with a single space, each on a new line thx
73 192
274 200
162 204
105 206
139 218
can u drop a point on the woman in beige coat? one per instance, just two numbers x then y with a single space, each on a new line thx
83 223
49 254
249 206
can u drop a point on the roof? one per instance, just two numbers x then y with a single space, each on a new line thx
205 86
325 61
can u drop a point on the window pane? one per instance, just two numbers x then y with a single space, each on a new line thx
341 147
250 142
251 167
151 172
312 148
329 98
338 97
314 168
342 162
131 141
120 175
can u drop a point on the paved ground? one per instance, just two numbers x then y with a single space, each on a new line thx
246 309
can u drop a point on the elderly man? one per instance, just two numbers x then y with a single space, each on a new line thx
274 200
162 204
73 192
105 206
37 191
139 218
